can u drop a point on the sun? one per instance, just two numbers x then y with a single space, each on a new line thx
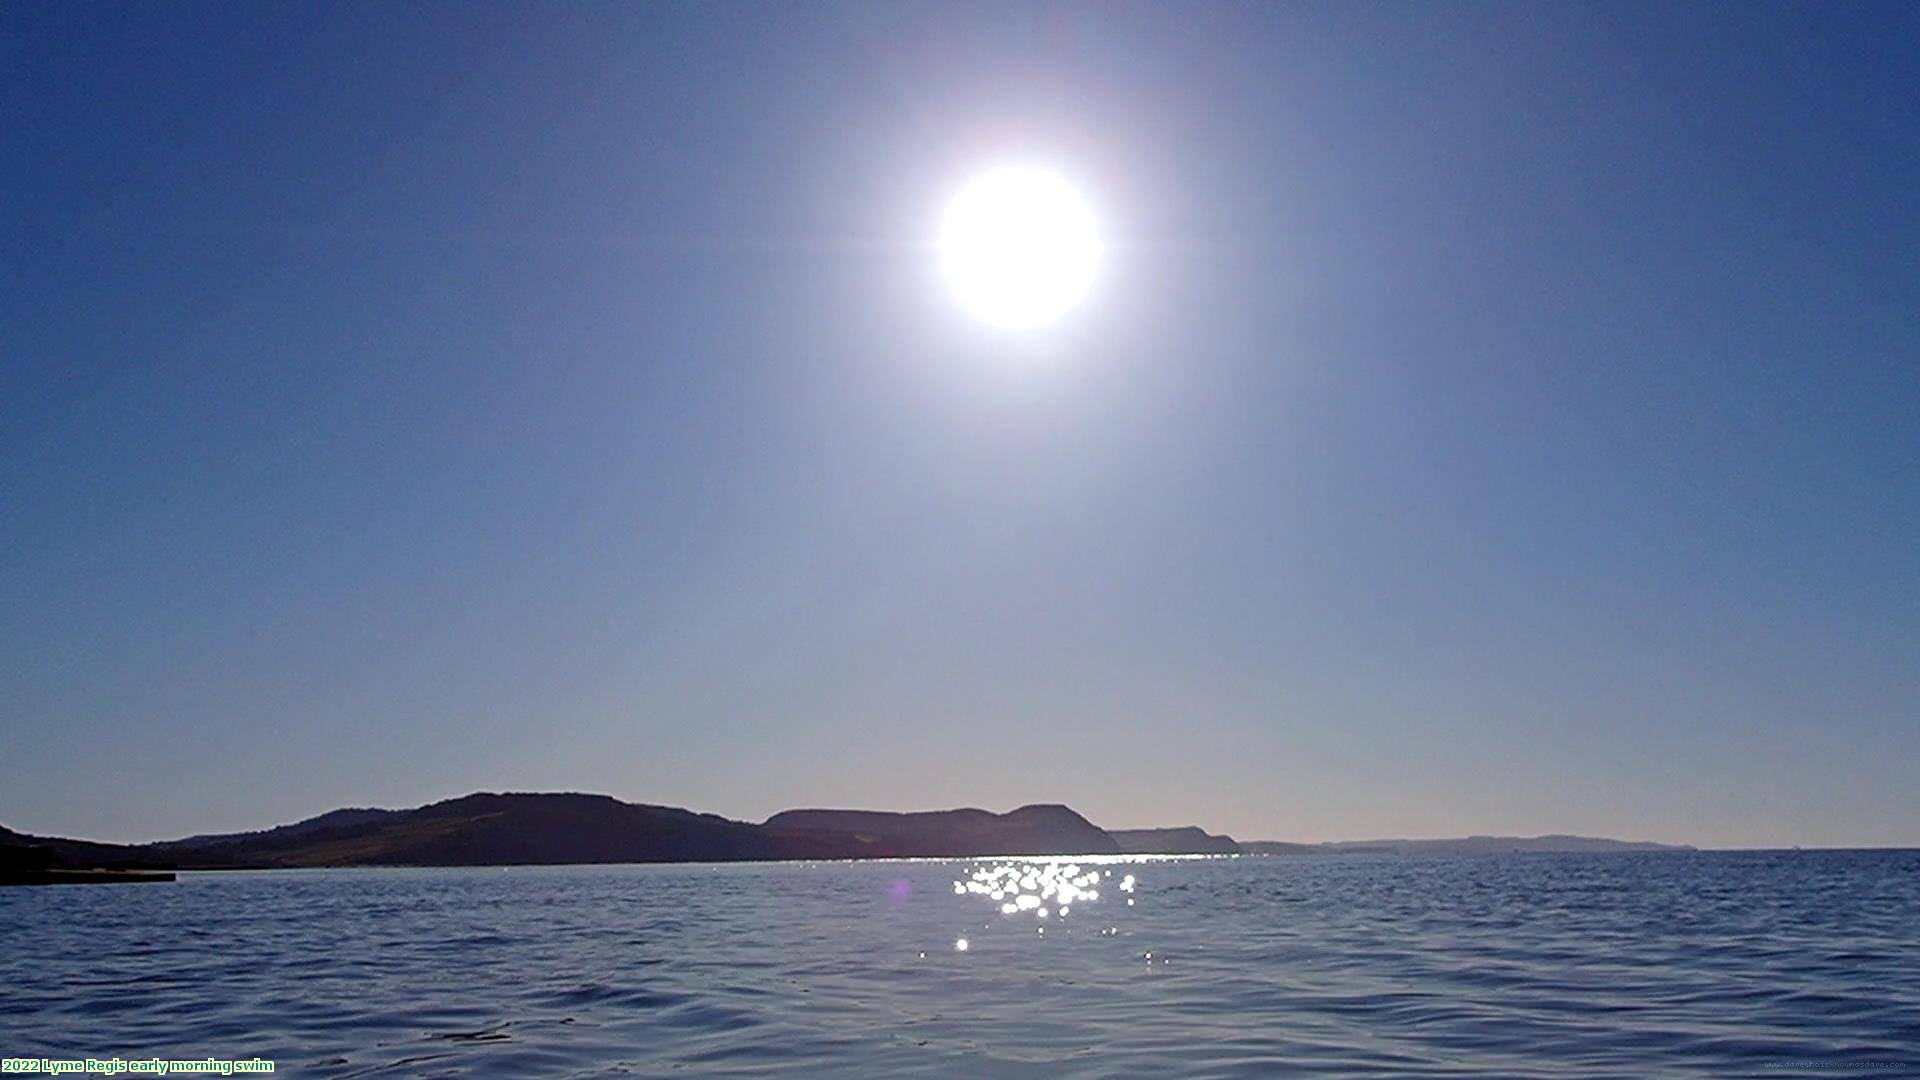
1019 247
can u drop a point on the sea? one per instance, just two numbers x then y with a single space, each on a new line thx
1709 964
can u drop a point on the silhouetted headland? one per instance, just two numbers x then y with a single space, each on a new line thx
1186 840
488 829
1030 830
24 862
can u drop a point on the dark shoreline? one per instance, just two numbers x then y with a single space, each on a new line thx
74 876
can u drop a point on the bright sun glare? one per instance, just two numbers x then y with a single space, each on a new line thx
1019 247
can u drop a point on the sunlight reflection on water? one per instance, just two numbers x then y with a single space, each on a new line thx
1711 964
1047 888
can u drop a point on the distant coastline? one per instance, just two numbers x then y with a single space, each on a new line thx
489 829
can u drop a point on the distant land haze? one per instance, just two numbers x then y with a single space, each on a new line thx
1467 845
485 829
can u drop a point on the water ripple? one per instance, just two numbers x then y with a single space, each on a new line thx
1761 964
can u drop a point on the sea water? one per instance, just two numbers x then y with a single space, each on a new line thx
1764 964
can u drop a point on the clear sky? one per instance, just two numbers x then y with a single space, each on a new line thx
1488 418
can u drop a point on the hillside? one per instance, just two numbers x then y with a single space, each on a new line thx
1047 829
487 829
1185 840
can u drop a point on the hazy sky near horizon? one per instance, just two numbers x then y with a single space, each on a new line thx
1488 418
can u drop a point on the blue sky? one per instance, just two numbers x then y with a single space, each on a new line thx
1492 418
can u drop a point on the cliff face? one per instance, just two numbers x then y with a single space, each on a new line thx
1186 840
1043 829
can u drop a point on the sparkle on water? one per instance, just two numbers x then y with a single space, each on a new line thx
1531 966
1027 886
1050 887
